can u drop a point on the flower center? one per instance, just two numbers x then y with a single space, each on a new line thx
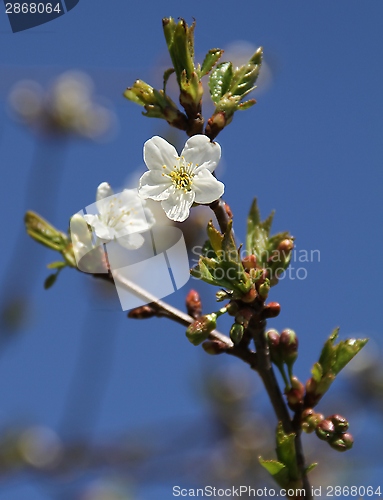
182 179
181 175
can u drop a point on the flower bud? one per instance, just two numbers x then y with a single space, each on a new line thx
272 338
286 245
232 308
296 394
243 317
142 312
236 333
325 430
264 289
193 304
250 296
271 310
215 124
343 442
249 262
310 420
214 347
340 423
288 345
200 329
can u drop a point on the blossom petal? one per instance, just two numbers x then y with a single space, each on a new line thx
102 231
201 152
177 206
158 152
207 188
131 241
153 185
103 191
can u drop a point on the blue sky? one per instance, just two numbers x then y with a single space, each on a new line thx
311 149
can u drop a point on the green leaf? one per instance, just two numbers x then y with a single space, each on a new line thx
50 281
220 80
257 239
311 467
286 451
317 372
245 76
277 470
210 61
345 351
247 104
215 237
43 232
166 76
57 265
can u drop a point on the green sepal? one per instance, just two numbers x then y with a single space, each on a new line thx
211 59
220 80
277 470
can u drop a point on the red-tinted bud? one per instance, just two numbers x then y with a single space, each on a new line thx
250 296
288 345
272 337
232 308
343 442
215 124
199 331
236 333
310 420
286 246
249 262
325 430
193 304
142 312
214 347
228 211
296 394
340 423
271 310
243 316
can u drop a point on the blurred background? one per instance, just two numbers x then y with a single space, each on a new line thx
94 406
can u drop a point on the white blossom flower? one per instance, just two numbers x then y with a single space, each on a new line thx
179 181
121 216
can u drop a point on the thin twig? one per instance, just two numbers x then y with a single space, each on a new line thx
266 372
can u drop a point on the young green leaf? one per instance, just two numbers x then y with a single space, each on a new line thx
220 80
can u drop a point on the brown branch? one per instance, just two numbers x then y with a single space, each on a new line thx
267 374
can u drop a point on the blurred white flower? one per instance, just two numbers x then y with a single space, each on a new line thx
121 216
179 181
68 107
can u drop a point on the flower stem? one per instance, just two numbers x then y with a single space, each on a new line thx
266 372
